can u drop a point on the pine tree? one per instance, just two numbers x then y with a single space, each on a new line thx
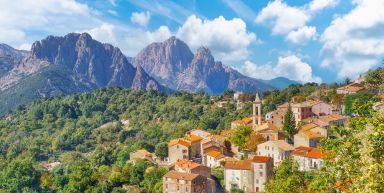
289 126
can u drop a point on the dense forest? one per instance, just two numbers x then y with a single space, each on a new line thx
86 134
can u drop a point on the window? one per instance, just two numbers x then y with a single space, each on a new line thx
261 166
184 151
257 181
261 173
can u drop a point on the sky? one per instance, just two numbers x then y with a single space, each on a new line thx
307 41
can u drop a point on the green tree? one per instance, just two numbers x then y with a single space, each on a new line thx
287 178
153 177
241 135
161 150
19 175
289 125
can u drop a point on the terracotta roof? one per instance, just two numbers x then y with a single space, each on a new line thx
309 152
332 117
280 144
309 103
265 126
307 127
261 159
353 87
214 154
239 165
181 176
186 164
310 134
316 153
178 141
193 138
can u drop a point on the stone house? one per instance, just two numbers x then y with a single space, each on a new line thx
178 182
178 149
187 166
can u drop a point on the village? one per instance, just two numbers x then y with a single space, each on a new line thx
193 156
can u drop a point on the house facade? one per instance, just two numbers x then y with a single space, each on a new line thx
278 150
214 158
248 175
308 158
178 182
186 166
178 149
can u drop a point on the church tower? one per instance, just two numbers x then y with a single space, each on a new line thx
257 110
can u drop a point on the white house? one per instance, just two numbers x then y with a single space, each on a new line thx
214 158
278 150
308 158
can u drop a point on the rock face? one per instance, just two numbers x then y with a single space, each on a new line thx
174 65
66 65
9 57
91 61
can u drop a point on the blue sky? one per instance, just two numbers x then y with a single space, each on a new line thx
313 40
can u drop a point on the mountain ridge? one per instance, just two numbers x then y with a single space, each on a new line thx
173 64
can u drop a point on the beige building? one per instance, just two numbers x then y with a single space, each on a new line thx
195 142
238 174
308 158
248 175
278 150
307 138
178 182
262 167
187 166
178 149
214 159
269 132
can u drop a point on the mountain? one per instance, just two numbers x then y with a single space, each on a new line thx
70 64
280 82
9 57
174 65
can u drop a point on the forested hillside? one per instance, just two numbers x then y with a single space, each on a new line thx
85 134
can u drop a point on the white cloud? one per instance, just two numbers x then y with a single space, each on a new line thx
42 17
322 4
241 9
141 18
228 39
290 66
291 21
25 47
104 33
302 35
113 12
353 43
129 40
282 17
138 39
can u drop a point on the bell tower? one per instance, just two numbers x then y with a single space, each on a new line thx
257 110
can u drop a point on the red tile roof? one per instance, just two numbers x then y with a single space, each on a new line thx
214 154
178 141
239 165
186 164
309 152
261 159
